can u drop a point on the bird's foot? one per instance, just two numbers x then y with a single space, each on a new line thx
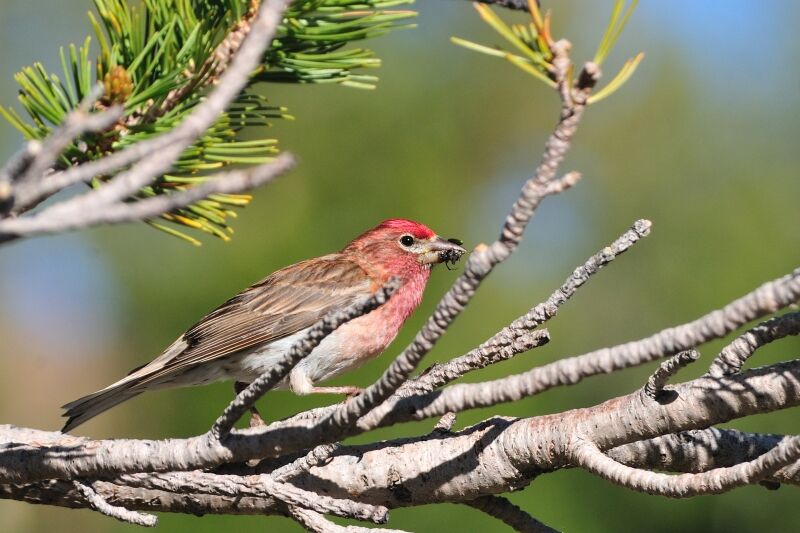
255 418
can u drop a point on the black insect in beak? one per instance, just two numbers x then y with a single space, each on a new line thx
438 250
451 256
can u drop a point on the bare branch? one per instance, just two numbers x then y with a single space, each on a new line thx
483 260
764 300
503 346
517 338
502 509
716 481
23 176
314 521
28 455
234 181
64 494
432 468
703 450
655 385
23 463
254 486
31 187
315 457
733 357
120 513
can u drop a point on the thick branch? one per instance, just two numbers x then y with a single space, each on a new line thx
491 458
64 494
503 454
254 486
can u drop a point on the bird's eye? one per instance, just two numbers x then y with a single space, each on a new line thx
406 240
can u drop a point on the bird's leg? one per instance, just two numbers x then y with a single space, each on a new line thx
301 384
255 417
349 390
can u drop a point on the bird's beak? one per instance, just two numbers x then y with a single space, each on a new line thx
439 250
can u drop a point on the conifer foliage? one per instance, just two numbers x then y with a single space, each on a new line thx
158 58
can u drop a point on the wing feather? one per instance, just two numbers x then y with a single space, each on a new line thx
280 305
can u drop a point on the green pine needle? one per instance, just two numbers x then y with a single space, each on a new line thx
615 26
153 51
534 41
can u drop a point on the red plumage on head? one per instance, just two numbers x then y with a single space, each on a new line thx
377 251
379 247
419 231
391 229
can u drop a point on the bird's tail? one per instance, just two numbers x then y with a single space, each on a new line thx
82 409
136 382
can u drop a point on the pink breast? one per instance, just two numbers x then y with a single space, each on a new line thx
369 335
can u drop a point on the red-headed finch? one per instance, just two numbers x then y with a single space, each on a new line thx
248 334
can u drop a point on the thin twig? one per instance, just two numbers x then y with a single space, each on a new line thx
233 181
511 515
654 388
702 450
319 455
764 300
120 513
511 340
732 357
716 481
483 261
313 521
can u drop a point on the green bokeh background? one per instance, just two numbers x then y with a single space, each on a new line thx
703 141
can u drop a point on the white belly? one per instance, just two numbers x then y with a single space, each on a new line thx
324 362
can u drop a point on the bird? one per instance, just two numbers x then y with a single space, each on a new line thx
249 333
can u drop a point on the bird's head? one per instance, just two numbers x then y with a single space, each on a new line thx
406 244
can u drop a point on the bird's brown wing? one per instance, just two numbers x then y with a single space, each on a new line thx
282 304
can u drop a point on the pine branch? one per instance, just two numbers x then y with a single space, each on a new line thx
158 60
